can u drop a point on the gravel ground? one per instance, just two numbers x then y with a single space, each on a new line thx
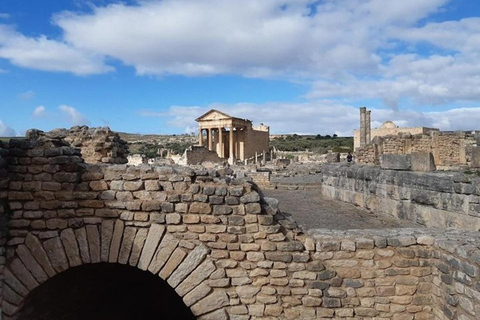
312 211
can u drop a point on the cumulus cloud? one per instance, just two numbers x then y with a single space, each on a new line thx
247 37
39 112
6 131
325 117
73 116
348 48
49 55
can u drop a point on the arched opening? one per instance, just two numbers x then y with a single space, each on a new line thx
102 292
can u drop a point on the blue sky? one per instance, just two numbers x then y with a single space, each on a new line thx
299 66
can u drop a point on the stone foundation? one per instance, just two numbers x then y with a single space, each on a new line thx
228 253
439 200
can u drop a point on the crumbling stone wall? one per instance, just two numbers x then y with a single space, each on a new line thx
97 145
228 253
450 149
439 200
198 155
4 210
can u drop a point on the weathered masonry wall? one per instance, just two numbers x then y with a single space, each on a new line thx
97 145
437 199
228 253
449 149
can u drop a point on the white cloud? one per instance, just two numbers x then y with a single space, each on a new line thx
246 37
49 55
6 131
353 49
4 15
73 116
27 95
326 117
39 112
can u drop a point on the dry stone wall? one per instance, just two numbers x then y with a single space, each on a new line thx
449 149
97 145
436 199
226 251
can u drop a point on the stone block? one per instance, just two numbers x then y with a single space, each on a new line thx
475 157
395 161
333 157
423 161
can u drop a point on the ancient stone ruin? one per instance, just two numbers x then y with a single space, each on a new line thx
242 140
450 150
217 248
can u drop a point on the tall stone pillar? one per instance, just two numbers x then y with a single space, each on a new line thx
200 137
363 138
220 143
368 136
231 157
210 139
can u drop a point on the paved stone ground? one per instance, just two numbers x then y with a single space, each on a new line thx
313 211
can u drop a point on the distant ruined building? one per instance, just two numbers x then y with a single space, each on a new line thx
230 137
447 149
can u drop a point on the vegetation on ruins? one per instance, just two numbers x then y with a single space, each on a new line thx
316 143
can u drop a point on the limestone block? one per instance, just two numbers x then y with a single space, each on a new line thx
332 157
173 262
127 243
138 243
71 248
423 161
22 274
214 301
81 235
154 236
196 277
107 232
116 240
395 161
93 238
39 253
188 265
12 281
196 294
163 253
32 265
56 254
476 156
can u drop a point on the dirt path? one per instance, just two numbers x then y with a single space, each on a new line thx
311 211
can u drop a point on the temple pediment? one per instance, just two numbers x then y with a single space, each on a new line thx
214 115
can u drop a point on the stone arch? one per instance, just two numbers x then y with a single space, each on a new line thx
149 249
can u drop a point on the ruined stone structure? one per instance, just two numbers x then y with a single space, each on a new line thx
97 145
365 135
449 149
221 247
240 142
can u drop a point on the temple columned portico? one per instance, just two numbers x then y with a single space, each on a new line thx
231 138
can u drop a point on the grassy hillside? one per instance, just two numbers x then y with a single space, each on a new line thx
318 143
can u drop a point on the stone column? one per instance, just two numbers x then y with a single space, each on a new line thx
210 139
362 126
368 136
220 143
231 157
200 137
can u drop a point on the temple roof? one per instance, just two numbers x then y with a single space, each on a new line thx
216 115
